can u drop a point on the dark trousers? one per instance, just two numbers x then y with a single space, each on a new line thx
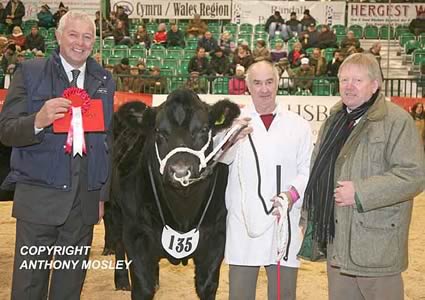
32 284
342 286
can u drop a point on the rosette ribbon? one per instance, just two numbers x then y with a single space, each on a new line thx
80 104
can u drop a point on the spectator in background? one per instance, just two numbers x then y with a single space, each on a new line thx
303 76
14 12
293 25
418 115
196 27
237 85
295 55
97 23
20 58
350 41
242 57
160 37
219 63
226 43
318 62
3 26
134 81
275 23
45 17
417 26
4 42
142 37
110 24
9 57
208 42
34 41
39 54
327 38
199 63
175 37
335 63
62 10
277 52
122 16
310 37
17 37
120 34
197 83
155 83
142 68
307 19
261 51
376 51
123 67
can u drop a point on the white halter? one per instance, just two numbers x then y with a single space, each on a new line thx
203 161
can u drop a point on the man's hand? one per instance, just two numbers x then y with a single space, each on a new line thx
101 210
52 110
247 130
276 203
344 193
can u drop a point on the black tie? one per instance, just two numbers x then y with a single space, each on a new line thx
75 74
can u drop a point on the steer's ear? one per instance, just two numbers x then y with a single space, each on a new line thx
222 114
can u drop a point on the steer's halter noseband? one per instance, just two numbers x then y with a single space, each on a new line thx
203 160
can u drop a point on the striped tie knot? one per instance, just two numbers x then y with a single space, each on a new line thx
75 74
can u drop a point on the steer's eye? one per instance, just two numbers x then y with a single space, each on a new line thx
161 134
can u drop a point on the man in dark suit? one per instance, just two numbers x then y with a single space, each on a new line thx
58 196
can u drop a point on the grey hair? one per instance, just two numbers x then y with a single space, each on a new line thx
71 16
367 61
251 67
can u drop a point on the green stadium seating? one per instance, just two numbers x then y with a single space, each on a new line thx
221 86
184 63
400 29
176 52
411 45
405 37
153 61
113 59
418 57
371 32
133 60
138 50
172 63
246 27
385 30
109 40
339 29
121 50
232 28
322 87
158 52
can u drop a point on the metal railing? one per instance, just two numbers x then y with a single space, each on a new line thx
317 86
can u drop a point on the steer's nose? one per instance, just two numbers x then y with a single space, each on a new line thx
180 171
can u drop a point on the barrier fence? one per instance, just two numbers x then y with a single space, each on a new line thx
300 86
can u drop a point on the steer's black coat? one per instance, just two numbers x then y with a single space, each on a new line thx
182 121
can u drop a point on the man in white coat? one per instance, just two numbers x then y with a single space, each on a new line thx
279 137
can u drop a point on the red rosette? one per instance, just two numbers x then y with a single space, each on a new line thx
79 98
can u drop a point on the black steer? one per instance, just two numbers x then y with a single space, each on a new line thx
160 178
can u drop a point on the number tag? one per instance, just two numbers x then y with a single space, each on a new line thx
177 244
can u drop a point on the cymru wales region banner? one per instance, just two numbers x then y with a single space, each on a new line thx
173 9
